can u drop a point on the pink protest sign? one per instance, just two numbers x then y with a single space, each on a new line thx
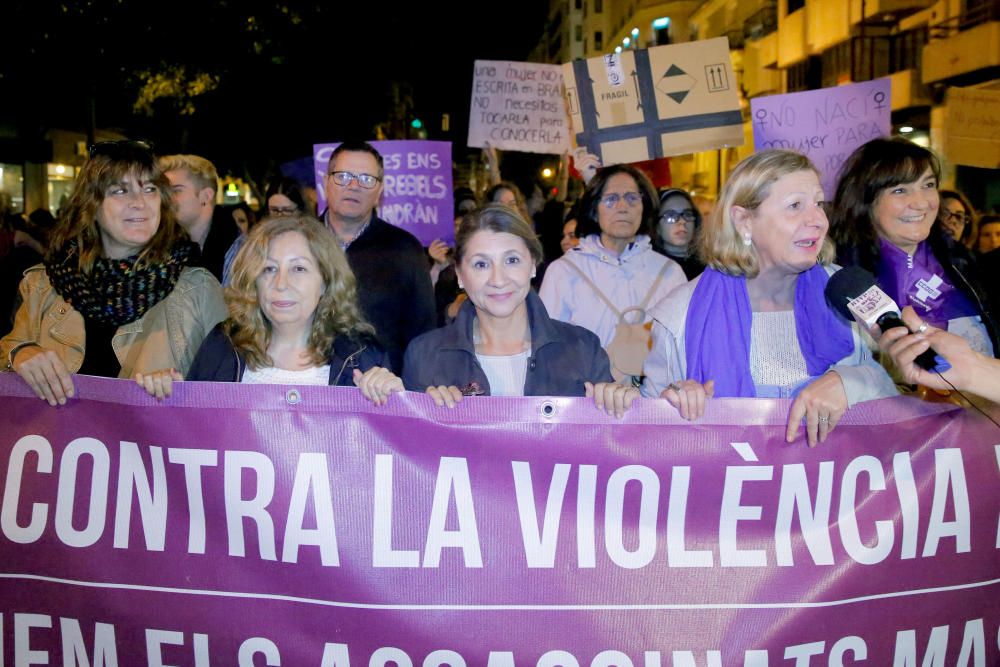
249 525
826 125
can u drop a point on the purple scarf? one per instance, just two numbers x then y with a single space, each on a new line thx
717 334
920 281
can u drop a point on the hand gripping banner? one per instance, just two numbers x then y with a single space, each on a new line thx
239 525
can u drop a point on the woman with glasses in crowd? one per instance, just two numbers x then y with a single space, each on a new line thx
958 218
118 294
756 323
606 283
884 220
294 316
676 230
503 342
284 197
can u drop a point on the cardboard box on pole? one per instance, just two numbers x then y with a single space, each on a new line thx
653 103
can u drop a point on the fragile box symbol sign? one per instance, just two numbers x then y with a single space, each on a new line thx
654 103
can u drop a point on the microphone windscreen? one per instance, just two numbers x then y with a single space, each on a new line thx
846 285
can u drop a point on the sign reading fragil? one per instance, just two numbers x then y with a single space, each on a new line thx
652 103
518 107
231 524
417 190
826 125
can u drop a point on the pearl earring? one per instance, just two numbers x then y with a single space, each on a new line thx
746 239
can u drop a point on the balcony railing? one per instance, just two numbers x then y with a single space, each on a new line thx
977 15
762 22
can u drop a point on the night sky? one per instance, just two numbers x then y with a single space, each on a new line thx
290 74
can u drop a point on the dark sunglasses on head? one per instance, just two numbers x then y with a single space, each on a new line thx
114 149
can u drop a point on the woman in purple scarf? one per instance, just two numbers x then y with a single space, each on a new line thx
886 220
756 323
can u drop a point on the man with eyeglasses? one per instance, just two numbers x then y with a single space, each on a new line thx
194 183
394 283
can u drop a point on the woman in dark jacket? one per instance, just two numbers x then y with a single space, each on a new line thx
503 343
677 229
293 316
885 219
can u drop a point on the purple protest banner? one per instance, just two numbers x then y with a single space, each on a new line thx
306 527
826 124
417 188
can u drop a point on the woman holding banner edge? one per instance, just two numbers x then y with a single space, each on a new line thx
756 322
503 342
294 316
119 293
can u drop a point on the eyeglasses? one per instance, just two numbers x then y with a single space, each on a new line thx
344 178
955 216
631 198
282 210
669 217
115 149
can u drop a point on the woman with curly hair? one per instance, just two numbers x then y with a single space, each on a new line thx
294 316
119 293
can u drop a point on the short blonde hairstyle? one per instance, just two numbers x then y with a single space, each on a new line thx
721 246
336 313
202 171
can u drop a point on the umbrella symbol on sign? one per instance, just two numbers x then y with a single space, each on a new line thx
676 84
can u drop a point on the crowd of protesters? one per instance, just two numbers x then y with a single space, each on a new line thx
634 294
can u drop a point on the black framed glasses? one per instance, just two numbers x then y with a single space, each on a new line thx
115 149
670 216
956 217
631 198
344 178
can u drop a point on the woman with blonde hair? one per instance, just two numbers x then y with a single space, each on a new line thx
756 322
294 316
118 294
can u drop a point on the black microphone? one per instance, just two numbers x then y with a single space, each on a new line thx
852 292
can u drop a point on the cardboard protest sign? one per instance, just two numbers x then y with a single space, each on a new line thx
518 107
826 124
972 130
416 190
653 103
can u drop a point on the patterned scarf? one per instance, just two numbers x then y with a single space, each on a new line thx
116 292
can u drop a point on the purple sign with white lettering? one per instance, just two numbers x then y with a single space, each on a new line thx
262 525
826 125
417 190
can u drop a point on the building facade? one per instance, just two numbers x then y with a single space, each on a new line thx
779 46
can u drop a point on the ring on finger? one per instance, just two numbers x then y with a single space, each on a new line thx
922 328
824 419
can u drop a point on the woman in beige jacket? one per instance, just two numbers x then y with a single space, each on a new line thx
117 295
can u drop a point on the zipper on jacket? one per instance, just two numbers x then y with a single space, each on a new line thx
348 360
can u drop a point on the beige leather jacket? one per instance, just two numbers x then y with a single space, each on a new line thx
167 336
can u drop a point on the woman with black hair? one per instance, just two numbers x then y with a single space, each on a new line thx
607 283
885 219
676 230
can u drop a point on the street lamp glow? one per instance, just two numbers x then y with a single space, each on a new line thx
906 129
635 32
546 173
626 42
661 22
618 49
60 169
